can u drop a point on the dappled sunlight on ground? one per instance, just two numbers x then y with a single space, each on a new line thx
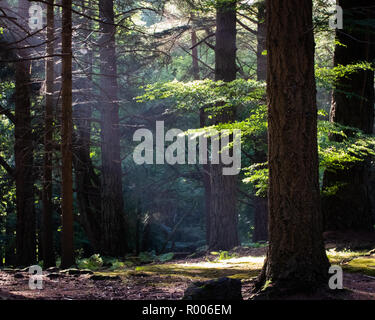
245 262
240 268
169 280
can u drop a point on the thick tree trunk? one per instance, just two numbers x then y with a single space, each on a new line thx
47 232
223 233
67 258
352 105
296 257
114 237
23 151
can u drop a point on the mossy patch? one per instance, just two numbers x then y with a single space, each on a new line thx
365 265
343 256
353 261
241 268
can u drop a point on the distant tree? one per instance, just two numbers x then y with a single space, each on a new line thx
23 150
113 235
352 105
67 257
47 232
296 257
86 180
261 203
223 219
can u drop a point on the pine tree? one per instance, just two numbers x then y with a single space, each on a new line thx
67 257
223 219
352 105
112 204
296 257
48 252
23 152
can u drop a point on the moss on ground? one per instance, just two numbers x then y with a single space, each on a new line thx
167 274
244 268
343 256
353 261
237 268
364 265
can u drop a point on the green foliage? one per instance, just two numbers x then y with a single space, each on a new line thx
224 255
165 257
116 264
349 147
147 257
327 77
257 175
267 284
206 94
94 263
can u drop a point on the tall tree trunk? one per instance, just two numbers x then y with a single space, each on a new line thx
114 237
87 181
223 233
67 258
296 257
47 232
23 151
203 122
352 105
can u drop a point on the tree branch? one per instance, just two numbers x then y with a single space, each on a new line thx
203 40
7 167
247 28
8 113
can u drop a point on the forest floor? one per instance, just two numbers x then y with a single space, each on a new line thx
169 280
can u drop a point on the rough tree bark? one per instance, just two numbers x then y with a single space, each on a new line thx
113 241
352 105
296 258
23 151
47 232
223 233
67 258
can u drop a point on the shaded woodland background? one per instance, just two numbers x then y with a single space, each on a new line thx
193 64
